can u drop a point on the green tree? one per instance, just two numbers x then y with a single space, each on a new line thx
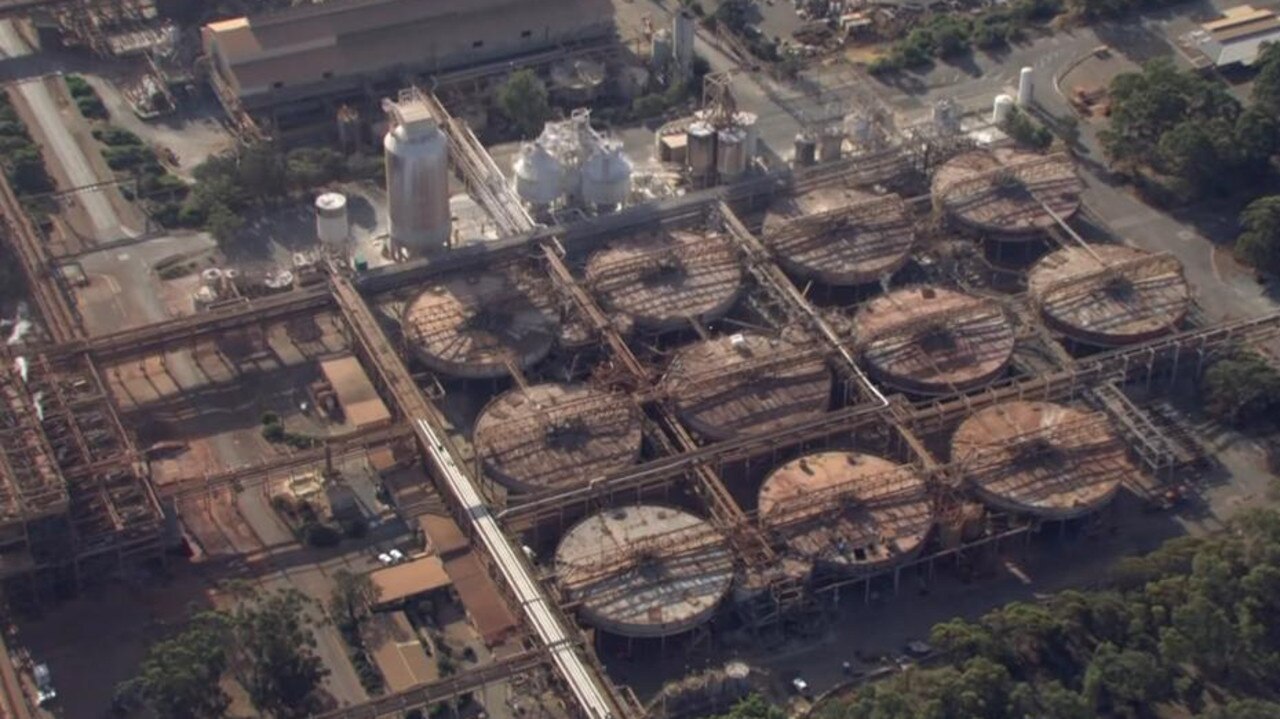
223 223
262 171
311 167
1258 243
754 707
179 678
1244 709
353 597
1266 86
523 99
1241 387
274 654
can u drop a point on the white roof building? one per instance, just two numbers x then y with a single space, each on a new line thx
1237 37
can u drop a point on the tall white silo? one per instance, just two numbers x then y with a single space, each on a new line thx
417 178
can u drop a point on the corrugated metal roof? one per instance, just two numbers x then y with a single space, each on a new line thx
484 603
360 401
409 579
1242 50
397 651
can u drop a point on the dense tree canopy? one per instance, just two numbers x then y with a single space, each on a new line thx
265 642
1259 241
1241 387
1193 627
523 99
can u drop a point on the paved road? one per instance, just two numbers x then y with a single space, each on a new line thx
106 224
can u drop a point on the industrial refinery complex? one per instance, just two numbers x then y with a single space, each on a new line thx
609 394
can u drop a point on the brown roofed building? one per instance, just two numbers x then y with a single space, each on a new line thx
339 45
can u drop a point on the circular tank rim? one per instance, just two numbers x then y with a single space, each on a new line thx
844 564
821 269
995 231
514 483
596 618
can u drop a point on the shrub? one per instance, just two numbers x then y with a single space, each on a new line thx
273 432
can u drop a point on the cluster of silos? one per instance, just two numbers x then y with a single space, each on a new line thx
572 164
417 166
825 144
720 153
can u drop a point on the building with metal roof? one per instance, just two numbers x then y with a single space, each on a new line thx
340 45
1237 37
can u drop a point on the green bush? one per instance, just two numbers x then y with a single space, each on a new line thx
79 87
270 417
116 136
273 433
92 108
1024 129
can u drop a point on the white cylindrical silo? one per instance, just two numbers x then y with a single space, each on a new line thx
332 225
417 179
211 279
1001 109
702 150
682 41
750 124
662 45
731 153
1026 86
537 175
606 176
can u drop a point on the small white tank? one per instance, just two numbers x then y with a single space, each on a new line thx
333 227
1001 109
731 153
537 175
211 279
606 176
1026 86
417 178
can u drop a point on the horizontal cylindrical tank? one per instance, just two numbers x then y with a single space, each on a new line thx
332 224
1110 295
476 326
1041 458
931 340
606 176
847 510
664 280
1001 109
747 384
731 154
552 436
645 570
1003 193
537 175
702 150
417 179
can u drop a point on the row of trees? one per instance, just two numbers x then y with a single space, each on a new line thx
231 185
1242 388
1192 628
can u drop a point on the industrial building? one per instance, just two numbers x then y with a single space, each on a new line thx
327 48
647 419
1236 38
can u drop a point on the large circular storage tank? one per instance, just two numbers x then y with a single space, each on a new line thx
1110 295
663 281
860 238
848 510
1003 192
644 570
747 384
551 436
537 175
606 176
475 325
930 340
1041 458
417 180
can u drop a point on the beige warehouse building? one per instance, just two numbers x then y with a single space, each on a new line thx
342 45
